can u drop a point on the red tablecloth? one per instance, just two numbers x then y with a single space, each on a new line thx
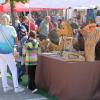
69 80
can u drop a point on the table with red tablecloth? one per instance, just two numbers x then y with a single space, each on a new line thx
68 80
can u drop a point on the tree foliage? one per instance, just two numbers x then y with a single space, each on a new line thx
21 1
12 8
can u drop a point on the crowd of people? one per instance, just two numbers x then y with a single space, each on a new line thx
27 37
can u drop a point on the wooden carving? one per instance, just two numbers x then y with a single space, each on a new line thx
91 38
65 29
64 32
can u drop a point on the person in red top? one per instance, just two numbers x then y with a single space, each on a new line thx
31 26
29 22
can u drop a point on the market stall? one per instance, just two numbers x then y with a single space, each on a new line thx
69 74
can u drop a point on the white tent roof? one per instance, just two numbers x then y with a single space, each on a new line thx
47 4
83 3
63 3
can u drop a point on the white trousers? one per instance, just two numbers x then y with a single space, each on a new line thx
8 59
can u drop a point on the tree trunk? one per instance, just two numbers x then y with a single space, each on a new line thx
12 12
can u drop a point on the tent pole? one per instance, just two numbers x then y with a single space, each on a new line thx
65 14
29 19
47 12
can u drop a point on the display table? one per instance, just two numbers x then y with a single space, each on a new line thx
69 80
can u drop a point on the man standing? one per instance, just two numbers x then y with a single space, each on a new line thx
44 28
8 38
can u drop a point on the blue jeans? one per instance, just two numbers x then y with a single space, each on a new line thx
20 70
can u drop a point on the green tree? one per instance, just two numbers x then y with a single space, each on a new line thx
24 1
12 2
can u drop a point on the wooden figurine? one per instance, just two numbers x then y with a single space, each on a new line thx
91 35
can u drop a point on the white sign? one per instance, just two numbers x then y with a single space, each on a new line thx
2 1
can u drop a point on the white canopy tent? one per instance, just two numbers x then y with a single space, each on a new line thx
52 4
95 2
63 3
84 4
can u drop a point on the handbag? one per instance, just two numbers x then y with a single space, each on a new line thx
15 53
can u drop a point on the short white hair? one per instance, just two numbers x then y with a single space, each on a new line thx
6 16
